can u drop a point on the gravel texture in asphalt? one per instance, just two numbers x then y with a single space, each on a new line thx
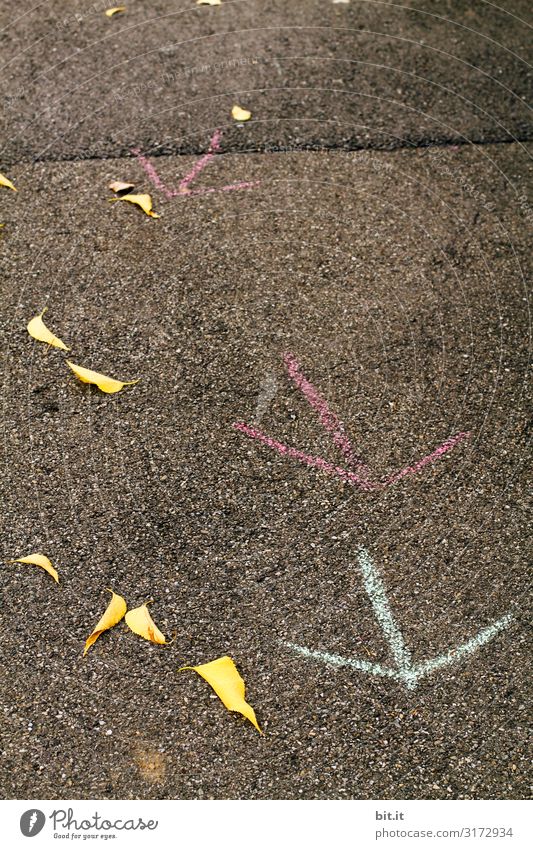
314 74
403 297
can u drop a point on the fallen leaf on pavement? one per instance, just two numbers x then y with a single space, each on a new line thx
114 11
141 623
113 613
224 678
240 114
38 330
144 201
7 183
38 560
102 381
118 187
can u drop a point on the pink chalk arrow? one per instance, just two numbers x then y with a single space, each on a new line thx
359 474
183 187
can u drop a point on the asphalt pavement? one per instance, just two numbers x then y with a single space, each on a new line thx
346 279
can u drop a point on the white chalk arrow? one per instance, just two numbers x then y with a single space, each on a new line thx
403 670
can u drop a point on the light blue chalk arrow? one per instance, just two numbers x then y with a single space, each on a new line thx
404 670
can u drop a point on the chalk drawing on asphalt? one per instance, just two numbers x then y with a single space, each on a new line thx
358 474
184 189
402 669
267 392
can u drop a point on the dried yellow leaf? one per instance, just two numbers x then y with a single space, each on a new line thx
143 201
106 384
224 678
114 11
118 186
240 114
38 560
113 613
7 183
209 2
141 623
38 330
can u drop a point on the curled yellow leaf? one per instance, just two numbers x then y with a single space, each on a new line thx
106 384
240 114
114 11
224 678
141 623
118 186
7 183
39 560
38 330
209 2
113 613
142 201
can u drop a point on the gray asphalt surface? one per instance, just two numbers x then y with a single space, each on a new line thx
398 278
314 73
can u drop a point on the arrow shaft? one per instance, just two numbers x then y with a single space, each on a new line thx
377 594
328 419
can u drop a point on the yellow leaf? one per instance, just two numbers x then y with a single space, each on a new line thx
38 560
141 623
7 183
144 201
113 613
224 678
240 114
209 2
114 11
37 328
106 384
118 186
